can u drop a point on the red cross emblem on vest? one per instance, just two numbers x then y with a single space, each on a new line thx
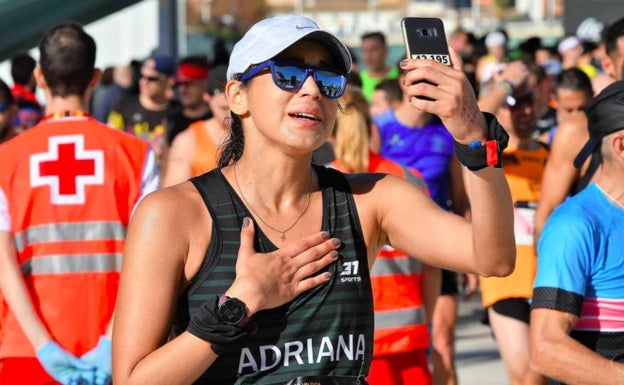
67 168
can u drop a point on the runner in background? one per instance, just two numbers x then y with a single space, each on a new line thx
507 299
374 68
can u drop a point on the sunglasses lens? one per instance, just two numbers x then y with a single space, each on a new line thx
288 77
330 83
291 77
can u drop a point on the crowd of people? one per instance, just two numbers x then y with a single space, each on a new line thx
289 213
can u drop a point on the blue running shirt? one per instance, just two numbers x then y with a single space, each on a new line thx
581 269
428 149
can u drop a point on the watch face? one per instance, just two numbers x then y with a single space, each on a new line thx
232 311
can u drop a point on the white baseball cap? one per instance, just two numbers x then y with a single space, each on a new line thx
568 43
495 38
270 36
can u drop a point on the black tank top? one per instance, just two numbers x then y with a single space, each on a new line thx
327 331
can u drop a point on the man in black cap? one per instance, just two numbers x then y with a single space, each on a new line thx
143 115
577 317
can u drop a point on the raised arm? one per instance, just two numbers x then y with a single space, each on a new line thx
513 75
560 173
486 245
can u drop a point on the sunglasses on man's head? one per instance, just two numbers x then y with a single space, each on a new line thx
290 76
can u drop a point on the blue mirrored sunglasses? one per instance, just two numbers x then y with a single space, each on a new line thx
290 76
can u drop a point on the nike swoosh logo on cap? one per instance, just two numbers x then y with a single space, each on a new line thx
304 27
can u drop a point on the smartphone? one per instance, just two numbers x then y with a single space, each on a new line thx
424 38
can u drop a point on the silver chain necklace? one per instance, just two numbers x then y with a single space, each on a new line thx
283 232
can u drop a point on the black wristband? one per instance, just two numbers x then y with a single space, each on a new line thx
205 324
477 157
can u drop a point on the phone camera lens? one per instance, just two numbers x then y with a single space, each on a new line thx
425 32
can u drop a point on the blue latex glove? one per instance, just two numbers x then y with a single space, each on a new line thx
100 357
63 366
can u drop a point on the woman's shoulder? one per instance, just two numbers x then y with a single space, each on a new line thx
178 204
176 226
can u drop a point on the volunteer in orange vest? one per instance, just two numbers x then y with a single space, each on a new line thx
404 289
68 187
404 295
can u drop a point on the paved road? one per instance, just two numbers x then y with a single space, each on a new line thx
477 358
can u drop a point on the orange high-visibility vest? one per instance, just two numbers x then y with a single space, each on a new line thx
400 318
378 163
71 184
206 152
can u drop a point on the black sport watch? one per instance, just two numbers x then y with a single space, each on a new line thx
232 311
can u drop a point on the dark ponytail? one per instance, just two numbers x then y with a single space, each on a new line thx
233 148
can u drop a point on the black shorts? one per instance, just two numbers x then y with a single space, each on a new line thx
516 308
449 283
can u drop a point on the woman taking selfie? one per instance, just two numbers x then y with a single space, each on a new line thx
258 271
